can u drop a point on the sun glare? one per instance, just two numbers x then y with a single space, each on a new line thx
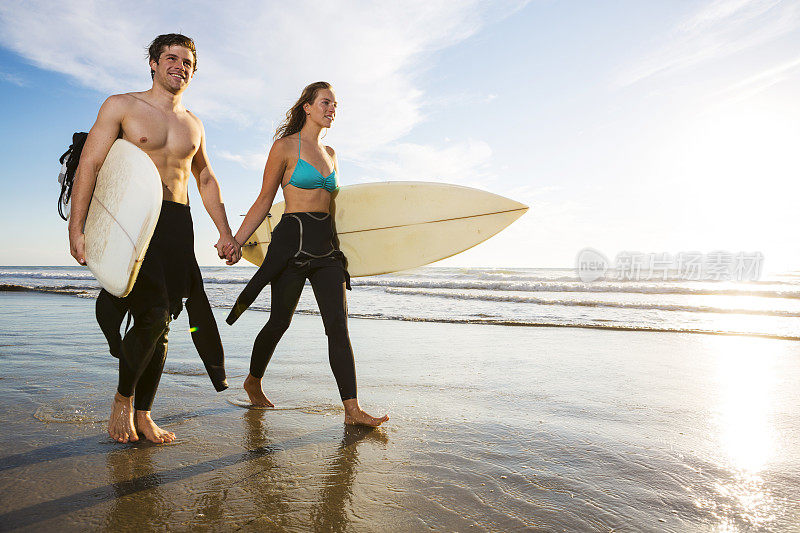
748 441
745 382
739 166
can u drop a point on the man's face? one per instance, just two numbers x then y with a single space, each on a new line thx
174 69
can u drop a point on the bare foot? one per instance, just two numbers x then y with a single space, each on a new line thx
150 430
355 416
120 423
252 386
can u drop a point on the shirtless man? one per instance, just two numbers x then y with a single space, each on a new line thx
157 122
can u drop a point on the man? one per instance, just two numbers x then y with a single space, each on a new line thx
157 122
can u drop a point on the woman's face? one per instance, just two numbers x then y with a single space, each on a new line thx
323 109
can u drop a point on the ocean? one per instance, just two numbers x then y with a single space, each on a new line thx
525 297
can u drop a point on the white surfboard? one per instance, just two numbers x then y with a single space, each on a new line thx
122 216
396 225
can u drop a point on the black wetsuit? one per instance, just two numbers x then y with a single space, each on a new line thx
303 246
168 274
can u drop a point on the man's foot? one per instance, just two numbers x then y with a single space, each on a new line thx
355 416
120 423
252 386
150 430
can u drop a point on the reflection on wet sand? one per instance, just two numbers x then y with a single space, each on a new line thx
133 475
261 480
280 487
331 513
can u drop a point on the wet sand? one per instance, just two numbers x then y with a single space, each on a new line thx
493 429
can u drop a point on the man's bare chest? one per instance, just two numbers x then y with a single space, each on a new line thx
162 135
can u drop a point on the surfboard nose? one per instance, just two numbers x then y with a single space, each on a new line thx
488 203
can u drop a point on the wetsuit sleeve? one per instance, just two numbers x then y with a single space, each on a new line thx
279 253
205 336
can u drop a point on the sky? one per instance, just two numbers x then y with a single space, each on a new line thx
655 127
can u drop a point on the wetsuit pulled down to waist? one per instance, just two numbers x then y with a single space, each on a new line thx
169 273
305 241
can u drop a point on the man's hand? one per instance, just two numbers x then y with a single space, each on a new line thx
229 249
77 247
233 252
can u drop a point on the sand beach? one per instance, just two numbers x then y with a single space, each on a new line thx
493 428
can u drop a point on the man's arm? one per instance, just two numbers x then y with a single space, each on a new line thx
102 135
211 195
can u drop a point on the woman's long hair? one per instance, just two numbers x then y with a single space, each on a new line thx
296 116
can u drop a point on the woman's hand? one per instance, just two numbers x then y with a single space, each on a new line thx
233 252
229 249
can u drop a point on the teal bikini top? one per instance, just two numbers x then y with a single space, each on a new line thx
305 176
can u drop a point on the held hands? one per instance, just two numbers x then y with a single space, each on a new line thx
229 249
233 252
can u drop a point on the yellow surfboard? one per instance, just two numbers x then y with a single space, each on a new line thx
396 225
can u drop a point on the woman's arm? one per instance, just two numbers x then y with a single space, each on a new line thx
273 174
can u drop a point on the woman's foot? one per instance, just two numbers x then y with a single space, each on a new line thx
252 386
355 416
150 430
120 423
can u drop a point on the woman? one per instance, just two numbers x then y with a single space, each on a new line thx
303 245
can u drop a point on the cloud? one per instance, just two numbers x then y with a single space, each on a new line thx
253 58
761 81
720 29
14 79
250 161
466 163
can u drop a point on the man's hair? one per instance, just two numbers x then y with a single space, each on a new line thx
165 41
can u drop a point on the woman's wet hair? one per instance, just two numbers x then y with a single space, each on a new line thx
296 116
